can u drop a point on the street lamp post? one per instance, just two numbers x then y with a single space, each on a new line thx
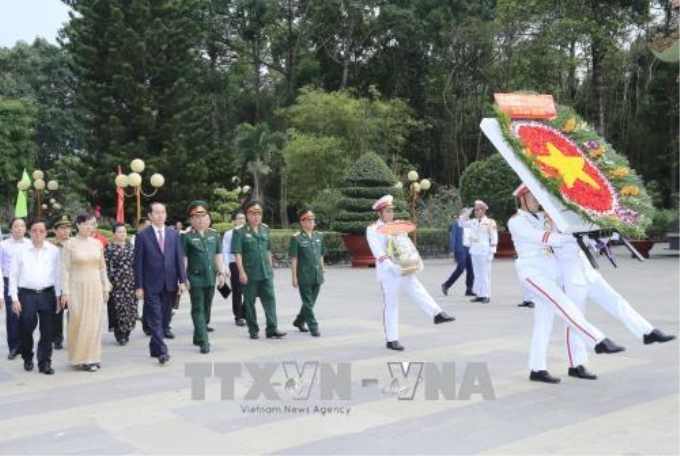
415 188
242 192
40 185
134 180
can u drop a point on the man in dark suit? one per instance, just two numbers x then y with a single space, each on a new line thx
461 254
159 276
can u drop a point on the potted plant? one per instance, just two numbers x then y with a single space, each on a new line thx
367 180
662 223
492 181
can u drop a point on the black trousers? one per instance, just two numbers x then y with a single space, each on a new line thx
37 307
58 328
236 293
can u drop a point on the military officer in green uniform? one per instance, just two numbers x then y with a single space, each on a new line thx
204 265
306 251
251 246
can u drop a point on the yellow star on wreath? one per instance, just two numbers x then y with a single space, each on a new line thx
569 168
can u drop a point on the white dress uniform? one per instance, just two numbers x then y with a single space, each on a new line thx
483 239
537 268
392 282
582 282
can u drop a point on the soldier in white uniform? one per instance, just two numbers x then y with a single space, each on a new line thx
582 282
483 242
537 268
392 281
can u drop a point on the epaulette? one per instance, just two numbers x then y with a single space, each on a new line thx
493 223
239 227
297 234
264 225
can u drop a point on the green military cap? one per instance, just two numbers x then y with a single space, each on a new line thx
253 206
197 207
61 221
305 213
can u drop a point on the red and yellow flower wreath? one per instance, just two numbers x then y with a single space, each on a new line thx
582 170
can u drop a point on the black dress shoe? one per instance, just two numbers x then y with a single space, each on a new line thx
608 346
300 326
58 345
168 334
13 354
543 376
315 332
146 331
164 358
657 336
529 304
205 349
254 336
442 317
469 293
477 299
28 365
445 290
580 371
395 345
209 329
46 368
485 300
276 335
240 322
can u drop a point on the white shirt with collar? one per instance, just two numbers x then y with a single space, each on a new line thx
7 249
35 269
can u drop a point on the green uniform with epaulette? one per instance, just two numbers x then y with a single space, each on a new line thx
309 251
254 247
200 250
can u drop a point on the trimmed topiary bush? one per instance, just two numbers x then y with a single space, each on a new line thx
367 180
492 181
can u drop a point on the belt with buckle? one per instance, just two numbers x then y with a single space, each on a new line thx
40 291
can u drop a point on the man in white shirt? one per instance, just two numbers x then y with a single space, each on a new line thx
16 240
231 269
35 287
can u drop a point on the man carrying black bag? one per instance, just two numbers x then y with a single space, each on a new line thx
231 269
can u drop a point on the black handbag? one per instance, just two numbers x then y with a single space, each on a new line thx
224 290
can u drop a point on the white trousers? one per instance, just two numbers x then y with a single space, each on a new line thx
481 266
414 290
549 301
603 294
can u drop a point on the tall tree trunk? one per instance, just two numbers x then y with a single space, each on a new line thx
214 105
257 78
283 202
571 76
597 55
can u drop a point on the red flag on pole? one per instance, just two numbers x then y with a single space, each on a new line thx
120 213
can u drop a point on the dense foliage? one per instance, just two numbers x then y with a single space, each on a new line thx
205 90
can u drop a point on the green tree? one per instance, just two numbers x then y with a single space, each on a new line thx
17 146
258 150
137 67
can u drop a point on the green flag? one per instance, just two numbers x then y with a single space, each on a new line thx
21 208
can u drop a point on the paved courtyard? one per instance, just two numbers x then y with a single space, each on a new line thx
135 406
